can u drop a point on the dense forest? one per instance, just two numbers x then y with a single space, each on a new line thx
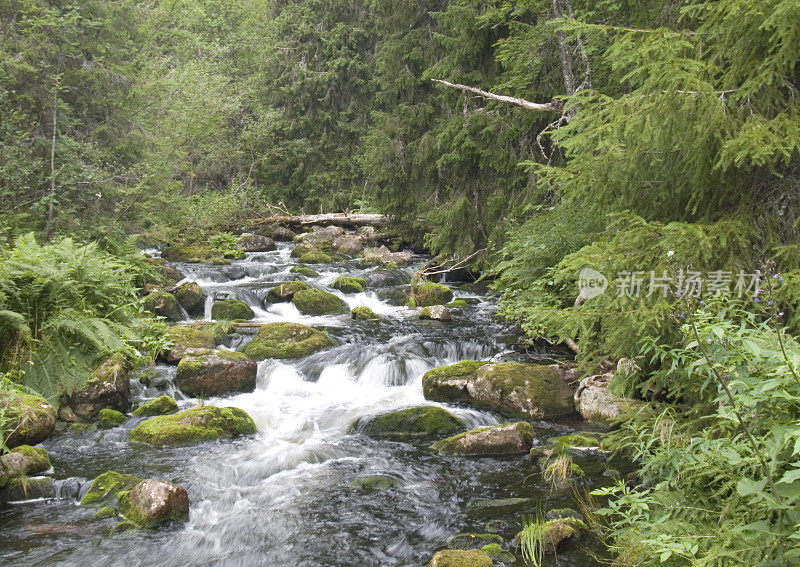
656 142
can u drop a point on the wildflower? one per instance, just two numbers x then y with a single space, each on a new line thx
702 302
780 314
757 300
670 253
770 302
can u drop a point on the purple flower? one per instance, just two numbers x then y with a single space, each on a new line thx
758 300
702 302
770 302
780 314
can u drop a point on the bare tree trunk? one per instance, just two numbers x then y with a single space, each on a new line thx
327 219
521 102
48 227
563 49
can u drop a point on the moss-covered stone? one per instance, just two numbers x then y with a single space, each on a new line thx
318 302
457 304
216 373
195 425
105 487
346 284
435 313
105 512
575 441
461 558
193 253
304 271
412 423
427 293
376 483
164 305
191 337
162 405
508 439
152 503
286 340
231 310
363 313
498 506
108 418
23 460
82 428
25 488
192 298
556 533
108 387
315 257
30 418
285 291
497 553
449 383
473 541
302 250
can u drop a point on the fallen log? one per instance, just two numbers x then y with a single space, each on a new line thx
328 219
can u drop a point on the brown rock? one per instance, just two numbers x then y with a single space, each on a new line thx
508 439
152 502
216 372
108 388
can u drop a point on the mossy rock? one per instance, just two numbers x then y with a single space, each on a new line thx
363 313
152 503
556 533
435 313
497 553
191 337
230 310
472 541
104 513
22 461
304 271
318 302
346 284
412 423
105 487
286 340
195 425
216 373
30 419
164 305
426 294
449 383
256 243
461 558
108 387
508 439
458 304
192 298
108 418
82 428
193 253
162 405
376 483
24 488
301 250
285 291
315 257
491 507
195 337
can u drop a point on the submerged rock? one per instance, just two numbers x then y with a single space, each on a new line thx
195 425
346 284
412 423
348 244
23 460
31 419
427 294
508 439
25 488
377 483
256 243
460 558
363 313
318 302
286 340
192 298
436 313
193 253
304 271
498 506
473 541
162 405
107 388
216 373
285 291
105 487
164 305
108 418
315 257
152 502
230 310
449 383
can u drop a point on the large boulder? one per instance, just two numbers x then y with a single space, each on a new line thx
278 233
230 310
461 558
162 405
508 439
189 338
315 257
318 302
386 278
107 388
449 383
435 313
346 284
595 402
22 461
412 423
192 298
256 243
348 244
384 257
23 488
286 340
193 253
152 502
216 373
285 292
164 305
108 418
105 487
527 390
30 419
195 425
426 294
322 235
363 313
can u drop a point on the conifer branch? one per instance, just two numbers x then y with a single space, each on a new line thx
521 102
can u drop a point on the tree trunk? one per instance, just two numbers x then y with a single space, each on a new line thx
48 227
327 219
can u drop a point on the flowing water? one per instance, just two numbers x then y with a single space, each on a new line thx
283 497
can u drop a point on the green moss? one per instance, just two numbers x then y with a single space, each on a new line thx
192 298
448 383
556 532
473 541
497 553
427 293
377 483
363 313
461 558
318 302
163 405
81 428
411 423
123 527
105 512
191 337
195 425
286 340
304 271
315 258
164 305
110 418
23 461
231 309
132 513
105 487
346 284
575 440
461 444
458 303
285 291
301 250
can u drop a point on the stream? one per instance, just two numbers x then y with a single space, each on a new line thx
283 497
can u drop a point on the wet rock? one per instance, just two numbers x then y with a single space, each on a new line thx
285 291
30 418
363 314
192 298
286 340
197 335
397 296
449 383
498 506
427 294
167 274
215 374
108 418
24 488
377 483
497 553
82 428
412 423
347 284
386 278
385 257
152 502
508 439
230 310
107 388
525 390
556 533
194 253
164 305
348 244
435 313
105 487
459 558
104 513
458 304
163 405
473 541
596 403
304 271
256 243
195 425
315 257
318 302
23 460
322 235
278 233
302 249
